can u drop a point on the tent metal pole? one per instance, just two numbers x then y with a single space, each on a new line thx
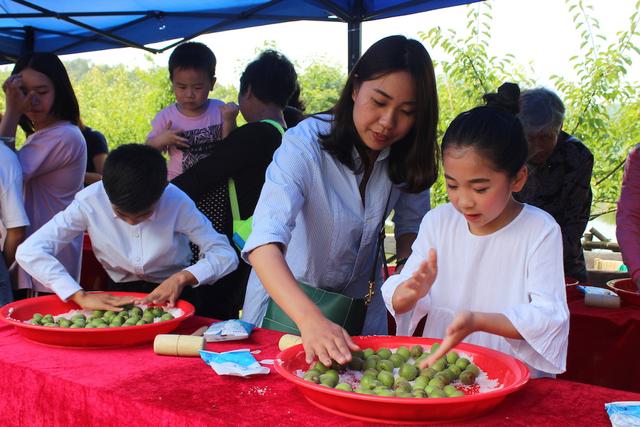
354 43
29 40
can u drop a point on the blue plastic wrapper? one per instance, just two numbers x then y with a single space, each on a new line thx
595 290
240 363
623 414
228 330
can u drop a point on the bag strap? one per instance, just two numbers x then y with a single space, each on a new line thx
233 195
233 199
274 123
379 248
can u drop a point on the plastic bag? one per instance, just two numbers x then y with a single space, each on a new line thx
228 330
240 363
623 414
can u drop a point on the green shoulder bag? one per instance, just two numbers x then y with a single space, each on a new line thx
345 311
242 227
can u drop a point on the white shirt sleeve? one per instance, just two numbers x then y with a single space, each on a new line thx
36 255
544 321
217 256
12 213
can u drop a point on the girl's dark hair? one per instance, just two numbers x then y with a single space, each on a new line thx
65 104
193 56
413 160
271 77
134 177
493 130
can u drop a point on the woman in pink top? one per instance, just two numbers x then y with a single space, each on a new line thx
628 216
40 98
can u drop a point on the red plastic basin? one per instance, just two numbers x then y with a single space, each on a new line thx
511 373
626 290
16 312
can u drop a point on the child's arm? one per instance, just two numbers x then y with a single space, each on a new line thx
100 301
217 256
37 257
467 322
417 286
166 138
229 112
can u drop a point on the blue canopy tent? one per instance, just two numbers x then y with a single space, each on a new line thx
73 26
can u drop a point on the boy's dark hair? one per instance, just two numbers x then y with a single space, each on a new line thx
271 77
194 56
493 130
134 177
65 104
414 160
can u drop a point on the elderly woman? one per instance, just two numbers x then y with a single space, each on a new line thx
560 168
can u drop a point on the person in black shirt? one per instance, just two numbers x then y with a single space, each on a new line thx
265 88
97 150
560 168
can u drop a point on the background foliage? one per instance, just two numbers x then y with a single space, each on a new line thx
603 102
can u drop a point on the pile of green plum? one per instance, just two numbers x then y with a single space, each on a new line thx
396 373
133 316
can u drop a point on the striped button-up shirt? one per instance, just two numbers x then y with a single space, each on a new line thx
311 204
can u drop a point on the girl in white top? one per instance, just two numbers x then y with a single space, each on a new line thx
486 269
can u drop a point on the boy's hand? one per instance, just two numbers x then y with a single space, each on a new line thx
229 112
417 286
170 290
462 326
169 137
100 301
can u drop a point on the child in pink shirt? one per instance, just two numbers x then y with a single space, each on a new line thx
40 97
190 127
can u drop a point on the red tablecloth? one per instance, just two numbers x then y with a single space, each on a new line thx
133 386
603 344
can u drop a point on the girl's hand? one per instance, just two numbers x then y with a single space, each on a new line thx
100 301
417 286
17 100
325 340
463 325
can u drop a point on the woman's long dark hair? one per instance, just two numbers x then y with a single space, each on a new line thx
65 104
413 160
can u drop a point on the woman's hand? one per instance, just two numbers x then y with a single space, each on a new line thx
417 286
100 301
463 325
170 290
325 340
17 99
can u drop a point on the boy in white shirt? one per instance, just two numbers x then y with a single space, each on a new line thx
13 218
140 228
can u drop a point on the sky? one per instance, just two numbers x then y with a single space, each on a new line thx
540 33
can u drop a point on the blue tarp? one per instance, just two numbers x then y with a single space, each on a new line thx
73 26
